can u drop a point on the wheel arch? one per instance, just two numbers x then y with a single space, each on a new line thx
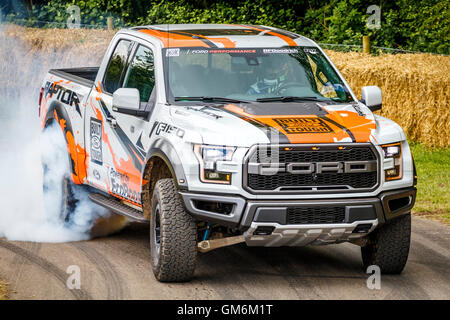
162 161
58 113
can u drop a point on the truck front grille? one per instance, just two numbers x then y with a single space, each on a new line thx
334 180
327 181
315 215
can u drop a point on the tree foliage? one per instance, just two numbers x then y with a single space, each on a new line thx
422 25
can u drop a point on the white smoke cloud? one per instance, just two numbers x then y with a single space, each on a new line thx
26 212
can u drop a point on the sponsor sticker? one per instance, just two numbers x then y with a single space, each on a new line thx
280 50
232 51
198 51
303 125
310 50
96 141
96 174
121 186
173 52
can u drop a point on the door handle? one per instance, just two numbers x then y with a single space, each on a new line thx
112 121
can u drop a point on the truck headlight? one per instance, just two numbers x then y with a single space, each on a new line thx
393 161
208 156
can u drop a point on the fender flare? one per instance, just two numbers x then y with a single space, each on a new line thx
164 150
58 112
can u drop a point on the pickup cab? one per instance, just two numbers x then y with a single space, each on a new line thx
221 134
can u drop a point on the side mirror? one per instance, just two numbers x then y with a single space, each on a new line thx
371 96
128 101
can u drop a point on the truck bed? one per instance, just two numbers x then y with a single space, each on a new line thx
84 76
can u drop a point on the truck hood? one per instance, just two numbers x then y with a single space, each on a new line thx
248 124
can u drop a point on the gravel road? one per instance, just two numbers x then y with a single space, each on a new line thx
118 267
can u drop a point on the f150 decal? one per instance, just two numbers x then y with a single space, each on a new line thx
96 141
168 128
303 125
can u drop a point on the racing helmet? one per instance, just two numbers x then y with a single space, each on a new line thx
274 67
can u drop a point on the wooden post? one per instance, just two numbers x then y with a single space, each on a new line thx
110 23
366 44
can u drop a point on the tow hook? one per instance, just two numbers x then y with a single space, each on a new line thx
208 245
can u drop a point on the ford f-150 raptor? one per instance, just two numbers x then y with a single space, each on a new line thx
220 134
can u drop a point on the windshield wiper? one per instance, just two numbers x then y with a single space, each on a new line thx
290 99
211 99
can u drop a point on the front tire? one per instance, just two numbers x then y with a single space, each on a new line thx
173 234
389 245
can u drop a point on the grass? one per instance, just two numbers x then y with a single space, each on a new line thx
433 169
3 291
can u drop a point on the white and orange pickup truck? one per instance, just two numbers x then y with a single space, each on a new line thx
220 134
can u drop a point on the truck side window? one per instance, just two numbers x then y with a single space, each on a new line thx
141 73
116 66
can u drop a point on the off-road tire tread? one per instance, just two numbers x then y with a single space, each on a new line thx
178 232
389 245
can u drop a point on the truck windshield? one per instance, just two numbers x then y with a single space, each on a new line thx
252 74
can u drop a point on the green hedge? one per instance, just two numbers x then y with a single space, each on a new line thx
406 24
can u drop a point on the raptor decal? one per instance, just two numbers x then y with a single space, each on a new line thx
63 95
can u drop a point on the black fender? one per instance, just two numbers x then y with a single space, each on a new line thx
61 113
164 150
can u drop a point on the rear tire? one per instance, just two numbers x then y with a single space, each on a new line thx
61 182
388 246
173 234
70 195
68 200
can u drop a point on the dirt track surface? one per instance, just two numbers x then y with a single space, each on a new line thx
118 267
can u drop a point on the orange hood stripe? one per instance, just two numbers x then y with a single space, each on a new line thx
184 39
287 39
170 40
314 129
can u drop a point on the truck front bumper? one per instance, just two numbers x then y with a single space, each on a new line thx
269 222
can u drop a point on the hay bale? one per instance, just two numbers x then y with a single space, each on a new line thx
26 54
415 87
416 91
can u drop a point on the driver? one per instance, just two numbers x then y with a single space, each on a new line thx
274 74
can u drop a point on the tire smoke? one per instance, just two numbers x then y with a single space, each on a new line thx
29 212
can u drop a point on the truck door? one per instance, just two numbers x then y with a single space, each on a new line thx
117 139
